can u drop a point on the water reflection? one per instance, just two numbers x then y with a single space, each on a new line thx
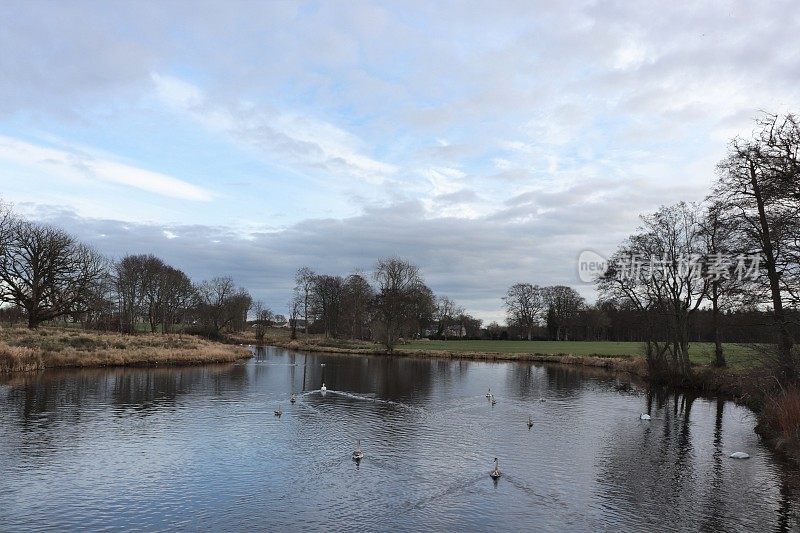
188 448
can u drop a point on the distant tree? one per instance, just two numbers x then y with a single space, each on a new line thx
295 308
327 293
263 319
446 313
423 309
304 284
563 307
356 300
494 330
45 271
222 306
524 305
398 282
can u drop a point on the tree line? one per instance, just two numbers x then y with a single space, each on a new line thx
390 304
47 274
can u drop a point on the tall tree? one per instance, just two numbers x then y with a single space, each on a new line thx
46 271
304 284
524 305
759 188
564 305
398 281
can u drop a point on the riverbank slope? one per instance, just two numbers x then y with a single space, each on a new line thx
22 349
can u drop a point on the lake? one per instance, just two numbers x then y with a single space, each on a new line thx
199 448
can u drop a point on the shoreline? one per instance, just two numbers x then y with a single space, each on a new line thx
23 350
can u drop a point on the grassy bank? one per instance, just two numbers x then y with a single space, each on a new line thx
739 357
22 349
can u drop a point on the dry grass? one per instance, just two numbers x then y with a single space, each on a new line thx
781 415
22 349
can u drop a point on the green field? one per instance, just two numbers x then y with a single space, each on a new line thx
738 355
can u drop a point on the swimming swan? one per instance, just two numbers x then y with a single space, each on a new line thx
740 455
495 472
644 416
489 394
357 453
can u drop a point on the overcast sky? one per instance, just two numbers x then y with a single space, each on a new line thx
488 142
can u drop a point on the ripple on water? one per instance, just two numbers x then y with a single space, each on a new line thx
200 448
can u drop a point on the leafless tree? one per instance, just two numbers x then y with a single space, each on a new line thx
263 319
304 284
759 188
563 307
665 280
524 305
397 282
446 314
357 298
46 271
222 305
295 308
326 302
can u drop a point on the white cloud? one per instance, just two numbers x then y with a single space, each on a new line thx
293 139
85 168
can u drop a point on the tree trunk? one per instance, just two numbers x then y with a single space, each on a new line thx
786 365
719 355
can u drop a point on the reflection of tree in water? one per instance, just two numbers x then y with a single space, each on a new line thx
651 465
529 379
63 395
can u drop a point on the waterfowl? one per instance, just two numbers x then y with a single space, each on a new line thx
489 394
357 453
293 398
644 416
278 411
493 401
323 388
542 399
495 472
740 455
530 422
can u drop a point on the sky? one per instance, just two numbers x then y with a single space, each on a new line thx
488 142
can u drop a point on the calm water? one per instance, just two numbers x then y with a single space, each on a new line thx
200 448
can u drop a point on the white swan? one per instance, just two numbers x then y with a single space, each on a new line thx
489 394
495 472
323 389
644 416
542 399
740 455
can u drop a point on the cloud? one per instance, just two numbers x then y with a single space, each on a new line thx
295 139
82 166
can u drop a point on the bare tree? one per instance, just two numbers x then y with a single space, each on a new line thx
563 307
295 307
326 302
222 305
759 188
357 298
46 271
660 272
304 284
397 282
446 313
524 305
263 319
